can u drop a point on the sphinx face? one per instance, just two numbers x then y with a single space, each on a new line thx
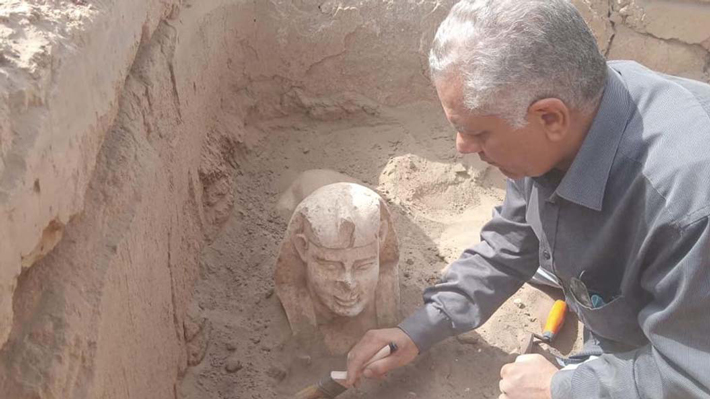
343 280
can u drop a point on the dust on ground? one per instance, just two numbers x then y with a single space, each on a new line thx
239 341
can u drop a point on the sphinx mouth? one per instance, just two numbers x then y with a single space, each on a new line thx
347 301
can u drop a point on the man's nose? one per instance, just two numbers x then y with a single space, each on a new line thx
467 144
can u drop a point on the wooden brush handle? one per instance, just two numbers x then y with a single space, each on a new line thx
311 392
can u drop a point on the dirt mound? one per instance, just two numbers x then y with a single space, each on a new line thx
437 190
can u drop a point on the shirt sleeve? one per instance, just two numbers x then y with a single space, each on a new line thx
485 275
676 322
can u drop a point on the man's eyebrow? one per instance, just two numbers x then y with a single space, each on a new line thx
466 131
461 128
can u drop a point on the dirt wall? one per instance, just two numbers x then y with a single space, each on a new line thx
121 129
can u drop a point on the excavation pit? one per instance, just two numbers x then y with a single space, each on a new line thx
144 148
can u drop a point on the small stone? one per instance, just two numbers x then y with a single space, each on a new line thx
305 359
256 340
233 365
411 394
276 373
231 346
410 262
467 339
407 274
616 18
269 293
519 303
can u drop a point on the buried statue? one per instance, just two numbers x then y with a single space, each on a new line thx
337 274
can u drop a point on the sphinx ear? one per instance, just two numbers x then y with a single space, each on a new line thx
384 230
301 243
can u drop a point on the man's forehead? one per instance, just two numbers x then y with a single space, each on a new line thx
452 101
450 93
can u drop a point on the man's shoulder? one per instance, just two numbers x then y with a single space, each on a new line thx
666 141
648 88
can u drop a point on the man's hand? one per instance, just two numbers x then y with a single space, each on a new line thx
529 377
370 344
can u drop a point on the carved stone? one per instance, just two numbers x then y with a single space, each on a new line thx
304 185
337 274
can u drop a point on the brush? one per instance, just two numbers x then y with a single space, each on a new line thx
329 387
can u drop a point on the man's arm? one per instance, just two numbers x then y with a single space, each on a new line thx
473 288
483 277
676 363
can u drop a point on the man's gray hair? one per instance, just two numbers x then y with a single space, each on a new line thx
511 53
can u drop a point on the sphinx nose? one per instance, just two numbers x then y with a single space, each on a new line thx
347 280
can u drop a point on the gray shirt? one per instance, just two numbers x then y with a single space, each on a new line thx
629 220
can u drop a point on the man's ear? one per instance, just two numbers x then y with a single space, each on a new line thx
553 116
301 243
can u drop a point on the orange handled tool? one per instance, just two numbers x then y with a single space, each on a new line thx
555 320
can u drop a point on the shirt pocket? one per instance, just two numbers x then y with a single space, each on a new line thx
616 320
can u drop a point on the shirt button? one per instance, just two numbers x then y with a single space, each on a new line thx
546 255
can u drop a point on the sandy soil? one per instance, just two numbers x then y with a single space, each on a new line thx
240 345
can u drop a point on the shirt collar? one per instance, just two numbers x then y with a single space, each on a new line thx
585 181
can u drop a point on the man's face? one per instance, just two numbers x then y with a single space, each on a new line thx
516 152
344 280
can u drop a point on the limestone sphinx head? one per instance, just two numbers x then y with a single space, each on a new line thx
339 260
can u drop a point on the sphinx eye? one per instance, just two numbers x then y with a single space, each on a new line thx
365 266
328 266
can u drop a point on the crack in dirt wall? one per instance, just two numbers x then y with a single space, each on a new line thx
62 67
95 318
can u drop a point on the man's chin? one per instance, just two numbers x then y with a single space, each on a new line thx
510 175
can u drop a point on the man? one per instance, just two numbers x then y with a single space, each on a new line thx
609 191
